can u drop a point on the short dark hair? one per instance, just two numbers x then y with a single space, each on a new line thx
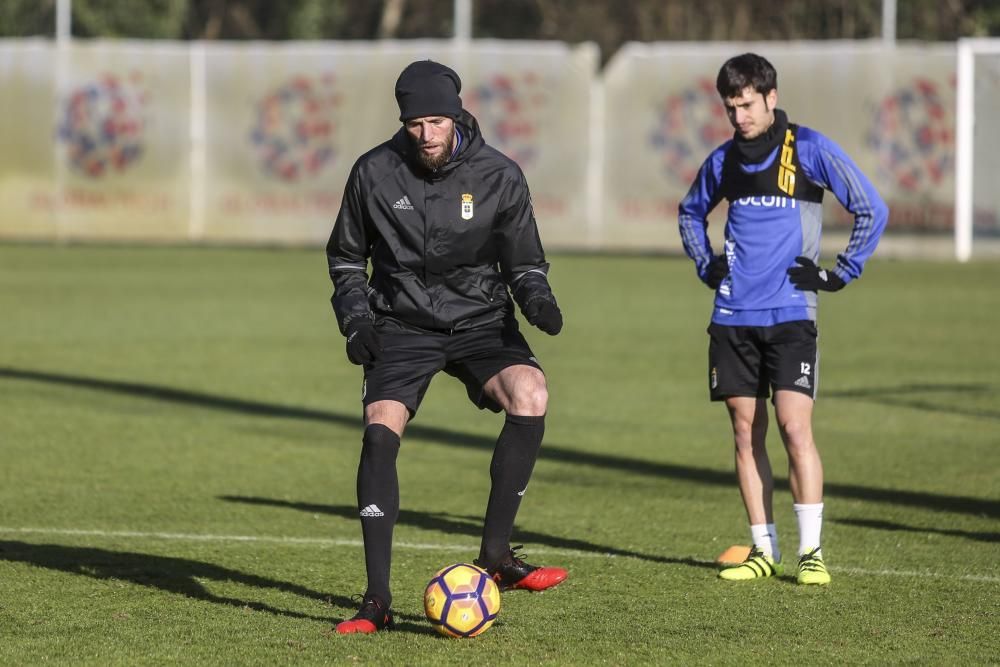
746 71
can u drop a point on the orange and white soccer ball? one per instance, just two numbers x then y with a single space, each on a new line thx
462 600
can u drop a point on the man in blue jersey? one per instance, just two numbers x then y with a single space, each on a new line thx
763 330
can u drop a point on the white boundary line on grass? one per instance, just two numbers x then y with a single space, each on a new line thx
201 537
425 546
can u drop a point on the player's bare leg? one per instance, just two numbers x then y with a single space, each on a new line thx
793 412
392 414
748 416
519 390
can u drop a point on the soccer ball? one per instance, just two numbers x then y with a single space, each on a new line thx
462 600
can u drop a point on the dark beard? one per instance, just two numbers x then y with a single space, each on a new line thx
433 163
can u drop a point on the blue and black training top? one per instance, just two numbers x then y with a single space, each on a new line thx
775 215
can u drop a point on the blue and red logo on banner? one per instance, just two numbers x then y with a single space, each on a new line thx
295 127
690 124
913 132
102 124
506 107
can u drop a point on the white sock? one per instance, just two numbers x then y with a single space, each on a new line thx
810 525
765 537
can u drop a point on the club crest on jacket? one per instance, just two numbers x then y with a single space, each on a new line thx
466 206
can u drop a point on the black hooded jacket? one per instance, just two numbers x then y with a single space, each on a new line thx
447 248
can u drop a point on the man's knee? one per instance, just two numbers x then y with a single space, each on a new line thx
532 400
522 390
391 414
749 420
794 417
797 434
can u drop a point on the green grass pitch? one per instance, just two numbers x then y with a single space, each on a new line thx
180 431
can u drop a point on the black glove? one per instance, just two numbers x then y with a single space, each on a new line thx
363 345
717 270
544 314
810 278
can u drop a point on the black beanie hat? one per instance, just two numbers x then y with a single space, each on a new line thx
427 88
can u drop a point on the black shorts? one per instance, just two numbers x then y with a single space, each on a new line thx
410 359
747 361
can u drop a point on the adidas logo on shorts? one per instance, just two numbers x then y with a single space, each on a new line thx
803 382
372 510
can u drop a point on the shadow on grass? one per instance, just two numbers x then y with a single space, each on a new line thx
181 576
877 524
908 396
468 526
551 452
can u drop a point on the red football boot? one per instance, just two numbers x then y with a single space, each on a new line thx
373 616
512 573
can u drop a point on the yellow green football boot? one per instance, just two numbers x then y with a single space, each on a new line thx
812 569
758 565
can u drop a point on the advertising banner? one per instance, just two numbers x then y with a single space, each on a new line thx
890 109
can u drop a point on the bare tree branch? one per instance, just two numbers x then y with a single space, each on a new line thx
213 25
392 13
244 20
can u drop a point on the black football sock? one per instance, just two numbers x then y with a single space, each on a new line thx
513 460
378 503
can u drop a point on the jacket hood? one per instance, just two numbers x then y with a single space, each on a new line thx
472 141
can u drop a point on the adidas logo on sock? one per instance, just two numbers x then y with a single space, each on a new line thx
803 382
403 204
372 510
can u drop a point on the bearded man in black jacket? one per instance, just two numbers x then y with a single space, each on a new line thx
446 224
